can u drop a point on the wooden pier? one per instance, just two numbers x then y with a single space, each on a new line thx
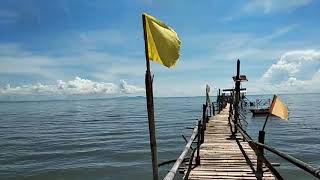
223 156
223 149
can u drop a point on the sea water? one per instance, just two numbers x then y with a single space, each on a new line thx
109 138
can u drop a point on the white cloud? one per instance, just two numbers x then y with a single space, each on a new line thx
129 89
78 86
294 72
269 6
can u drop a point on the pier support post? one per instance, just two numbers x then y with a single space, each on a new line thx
230 114
204 114
223 103
260 156
203 126
218 102
237 97
198 144
213 110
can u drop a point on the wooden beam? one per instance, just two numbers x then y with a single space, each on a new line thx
176 165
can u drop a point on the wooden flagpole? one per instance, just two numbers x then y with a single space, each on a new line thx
270 108
265 122
150 107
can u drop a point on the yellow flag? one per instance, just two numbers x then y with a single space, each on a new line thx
278 108
163 42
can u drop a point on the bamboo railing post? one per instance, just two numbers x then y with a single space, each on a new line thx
230 114
315 171
207 113
223 102
260 155
203 126
204 118
219 103
213 110
237 97
198 143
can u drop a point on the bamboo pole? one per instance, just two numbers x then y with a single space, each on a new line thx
176 165
237 98
150 107
213 110
260 155
219 103
204 113
265 122
254 146
315 171
198 143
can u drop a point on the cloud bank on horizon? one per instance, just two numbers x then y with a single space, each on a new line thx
277 42
78 86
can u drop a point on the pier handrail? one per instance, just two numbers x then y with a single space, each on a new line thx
176 165
186 175
251 143
302 165
198 132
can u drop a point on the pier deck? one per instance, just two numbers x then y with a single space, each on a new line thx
223 156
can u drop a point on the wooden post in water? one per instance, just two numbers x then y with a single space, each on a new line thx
260 155
150 107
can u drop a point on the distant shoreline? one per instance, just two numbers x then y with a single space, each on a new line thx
83 98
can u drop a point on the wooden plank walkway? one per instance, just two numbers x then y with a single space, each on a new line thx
222 157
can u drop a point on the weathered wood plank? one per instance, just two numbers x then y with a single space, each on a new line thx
221 156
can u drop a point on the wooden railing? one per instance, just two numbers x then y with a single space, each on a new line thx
177 164
208 110
235 126
259 147
302 165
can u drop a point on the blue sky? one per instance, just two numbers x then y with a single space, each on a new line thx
95 46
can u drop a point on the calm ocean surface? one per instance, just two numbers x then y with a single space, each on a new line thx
108 138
